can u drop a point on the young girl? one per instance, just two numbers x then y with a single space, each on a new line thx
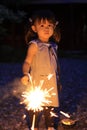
41 60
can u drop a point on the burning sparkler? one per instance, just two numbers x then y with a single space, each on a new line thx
36 98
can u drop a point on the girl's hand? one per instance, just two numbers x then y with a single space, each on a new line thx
25 80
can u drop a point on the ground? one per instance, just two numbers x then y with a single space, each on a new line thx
73 97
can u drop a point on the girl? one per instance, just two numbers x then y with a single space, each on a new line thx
41 60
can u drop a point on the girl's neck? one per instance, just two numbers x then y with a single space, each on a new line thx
44 41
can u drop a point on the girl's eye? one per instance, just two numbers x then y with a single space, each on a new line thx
50 25
42 25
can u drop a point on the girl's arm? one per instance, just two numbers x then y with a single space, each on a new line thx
27 63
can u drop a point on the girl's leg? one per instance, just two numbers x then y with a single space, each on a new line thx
29 119
51 121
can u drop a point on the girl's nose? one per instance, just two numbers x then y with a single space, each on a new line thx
46 27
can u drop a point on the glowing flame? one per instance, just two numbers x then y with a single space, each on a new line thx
36 98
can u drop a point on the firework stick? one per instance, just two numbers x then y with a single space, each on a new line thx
33 122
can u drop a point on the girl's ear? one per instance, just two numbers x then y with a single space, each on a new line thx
33 28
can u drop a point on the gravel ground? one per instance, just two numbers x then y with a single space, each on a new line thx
73 97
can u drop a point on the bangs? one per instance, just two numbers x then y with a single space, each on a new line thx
39 20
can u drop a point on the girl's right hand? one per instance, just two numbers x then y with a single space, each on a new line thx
25 80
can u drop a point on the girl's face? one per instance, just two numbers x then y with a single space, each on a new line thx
44 29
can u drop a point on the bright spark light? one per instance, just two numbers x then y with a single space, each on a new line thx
36 98
49 76
65 114
53 114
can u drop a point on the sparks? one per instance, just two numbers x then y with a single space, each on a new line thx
36 98
65 114
49 76
53 114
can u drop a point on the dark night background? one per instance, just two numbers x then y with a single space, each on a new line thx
72 16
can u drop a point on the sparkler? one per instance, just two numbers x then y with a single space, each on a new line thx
36 98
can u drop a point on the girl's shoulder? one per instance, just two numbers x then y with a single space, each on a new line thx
32 47
54 45
37 42
33 41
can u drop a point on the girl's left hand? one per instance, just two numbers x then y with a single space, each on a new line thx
25 80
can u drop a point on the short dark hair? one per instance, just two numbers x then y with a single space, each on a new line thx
43 14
